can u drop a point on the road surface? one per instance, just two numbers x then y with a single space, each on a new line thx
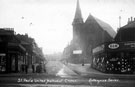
59 69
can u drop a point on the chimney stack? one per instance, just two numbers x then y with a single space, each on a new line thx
131 19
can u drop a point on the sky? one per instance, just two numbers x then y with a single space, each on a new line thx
49 22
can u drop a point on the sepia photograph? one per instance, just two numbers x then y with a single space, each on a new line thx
67 43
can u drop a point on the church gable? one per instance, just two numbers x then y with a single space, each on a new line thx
94 25
106 27
91 26
97 31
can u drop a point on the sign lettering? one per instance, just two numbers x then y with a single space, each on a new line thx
113 46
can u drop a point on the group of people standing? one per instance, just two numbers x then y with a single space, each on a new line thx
38 68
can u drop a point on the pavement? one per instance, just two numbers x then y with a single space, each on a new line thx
83 70
87 71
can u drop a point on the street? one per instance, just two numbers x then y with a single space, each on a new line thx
65 76
59 69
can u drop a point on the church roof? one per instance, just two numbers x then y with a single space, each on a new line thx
102 24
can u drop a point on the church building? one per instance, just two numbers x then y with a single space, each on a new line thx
86 36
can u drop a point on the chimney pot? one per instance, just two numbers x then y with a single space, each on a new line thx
128 20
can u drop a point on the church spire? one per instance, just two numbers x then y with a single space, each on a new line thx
78 14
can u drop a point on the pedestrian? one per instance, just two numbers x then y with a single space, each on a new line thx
39 68
26 69
23 68
33 68
44 68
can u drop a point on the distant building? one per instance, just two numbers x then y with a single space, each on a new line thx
87 35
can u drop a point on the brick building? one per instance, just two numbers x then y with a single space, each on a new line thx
18 52
12 53
127 32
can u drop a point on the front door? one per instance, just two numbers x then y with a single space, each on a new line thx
13 63
2 62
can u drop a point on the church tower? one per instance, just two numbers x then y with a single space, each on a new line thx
77 23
